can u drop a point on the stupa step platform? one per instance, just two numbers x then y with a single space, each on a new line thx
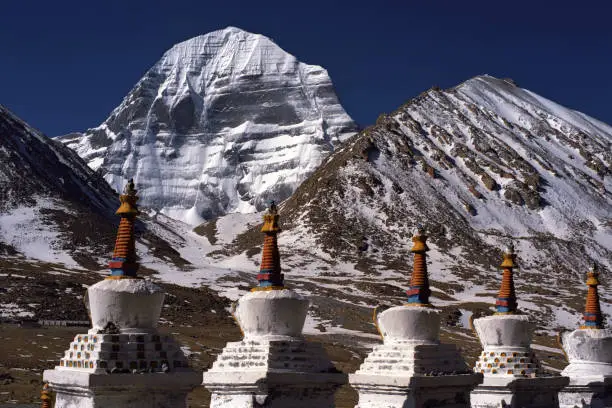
89 390
141 352
275 358
513 392
414 391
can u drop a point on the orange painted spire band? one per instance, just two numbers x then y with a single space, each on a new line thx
506 297
593 319
270 276
418 293
123 264
45 396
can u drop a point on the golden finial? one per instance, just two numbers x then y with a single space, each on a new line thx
419 240
128 200
509 257
271 219
45 397
593 275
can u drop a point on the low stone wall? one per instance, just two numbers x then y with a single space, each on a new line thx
65 323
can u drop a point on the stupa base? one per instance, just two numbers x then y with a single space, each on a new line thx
273 389
273 373
388 391
504 391
77 389
587 392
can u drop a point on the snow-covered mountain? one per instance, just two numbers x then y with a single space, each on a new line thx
222 123
51 202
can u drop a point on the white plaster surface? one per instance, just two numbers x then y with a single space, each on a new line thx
133 305
415 324
513 376
131 367
506 340
503 331
271 313
590 345
134 352
76 389
593 393
282 373
274 366
589 352
411 368
501 392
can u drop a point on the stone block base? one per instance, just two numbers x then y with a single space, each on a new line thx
273 389
273 373
449 391
539 392
76 389
585 392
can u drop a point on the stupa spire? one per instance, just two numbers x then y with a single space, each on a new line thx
270 276
45 397
506 298
418 294
592 316
123 264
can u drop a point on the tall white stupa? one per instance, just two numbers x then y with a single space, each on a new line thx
412 369
589 351
513 376
123 361
273 366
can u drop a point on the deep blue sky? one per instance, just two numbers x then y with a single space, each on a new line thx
64 65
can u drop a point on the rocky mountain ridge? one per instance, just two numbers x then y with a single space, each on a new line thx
479 165
46 191
56 213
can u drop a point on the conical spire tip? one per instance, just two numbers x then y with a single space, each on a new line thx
272 208
419 230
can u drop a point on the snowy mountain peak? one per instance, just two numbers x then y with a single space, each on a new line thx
223 122
229 52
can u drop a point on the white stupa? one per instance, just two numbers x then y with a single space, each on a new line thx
122 361
412 369
273 365
513 376
589 351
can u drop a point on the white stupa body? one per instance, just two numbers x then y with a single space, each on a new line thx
122 361
512 375
589 352
273 366
411 368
